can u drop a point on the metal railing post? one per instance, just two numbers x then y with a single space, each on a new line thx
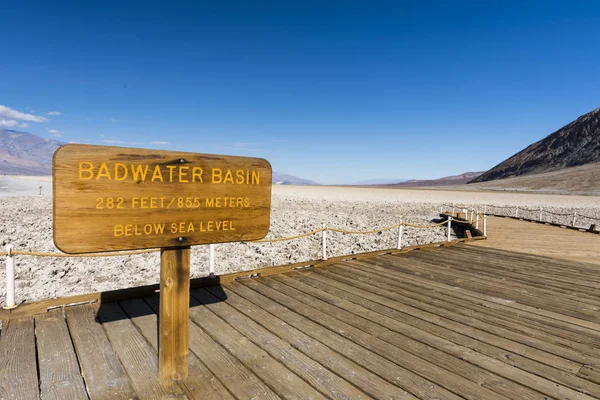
477 220
10 278
517 212
400 231
484 225
574 217
324 242
211 260
540 216
449 227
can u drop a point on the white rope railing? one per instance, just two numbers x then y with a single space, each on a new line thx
571 217
10 253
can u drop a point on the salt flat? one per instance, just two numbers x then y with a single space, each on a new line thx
27 224
25 185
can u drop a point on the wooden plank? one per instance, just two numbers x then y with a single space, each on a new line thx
102 371
453 374
534 263
174 314
136 354
590 372
431 314
497 288
542 240
469 306
248 302
391 371
545 316
18 368
60 377
235 377
326 382
287 323
542 284
121 198
431 324
201 383
385 287
404 336
285 382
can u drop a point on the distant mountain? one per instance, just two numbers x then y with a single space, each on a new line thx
445 181
284 179
577 143
379 181
22 153
583 179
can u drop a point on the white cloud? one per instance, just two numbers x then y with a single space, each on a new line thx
53 113
112 141
9 113
114 120
159 142
54 132
11 123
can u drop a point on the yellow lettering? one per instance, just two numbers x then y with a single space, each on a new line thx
182 174
86 167
139 172
246 202
197 173
190 227
123 168
157 174
159 228
217 175
118 230
228 177
171 168
210 226
255 178
239 176
210 202
174 227
103 172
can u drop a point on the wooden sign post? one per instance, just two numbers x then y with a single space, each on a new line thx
174 313
113 198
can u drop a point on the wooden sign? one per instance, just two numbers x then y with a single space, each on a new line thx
114 198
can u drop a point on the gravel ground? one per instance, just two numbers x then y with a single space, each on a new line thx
27 224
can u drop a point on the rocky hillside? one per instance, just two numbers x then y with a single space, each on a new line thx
22 153
577 143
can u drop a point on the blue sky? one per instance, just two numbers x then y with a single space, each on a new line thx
333 91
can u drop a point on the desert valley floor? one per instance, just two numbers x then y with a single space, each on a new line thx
26 223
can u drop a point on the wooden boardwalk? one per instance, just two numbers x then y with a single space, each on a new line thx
463 322
535 238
